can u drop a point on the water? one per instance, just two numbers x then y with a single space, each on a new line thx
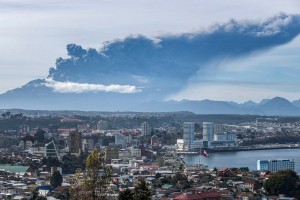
245 158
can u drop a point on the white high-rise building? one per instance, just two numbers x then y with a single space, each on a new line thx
188 134
145 128
122 140
275 165
102 125
208 131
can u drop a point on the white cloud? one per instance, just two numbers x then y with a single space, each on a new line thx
71 87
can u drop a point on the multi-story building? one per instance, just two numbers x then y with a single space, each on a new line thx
102 125
122 140
218 129
155 141
51 150
208 133
225 136
188 134
145 128
135 152
275 165
111 153
88 144
75 143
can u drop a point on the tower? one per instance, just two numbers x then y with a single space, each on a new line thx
75 142
208 131
188 134
145 128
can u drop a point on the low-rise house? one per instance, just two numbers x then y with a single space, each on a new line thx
252 184
211 195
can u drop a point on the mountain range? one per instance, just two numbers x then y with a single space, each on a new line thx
35 95
277 106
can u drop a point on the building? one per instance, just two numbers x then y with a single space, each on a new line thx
122 140
102 125
75 143
155 141
25 129
111 153
145 128
208 131
51 150
88 144
209 195
218 129
27 142
275 165
225 136
188 135
135 152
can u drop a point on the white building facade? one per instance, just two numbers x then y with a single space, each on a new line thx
275 165
145 128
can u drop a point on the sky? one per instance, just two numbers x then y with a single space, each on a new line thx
33 34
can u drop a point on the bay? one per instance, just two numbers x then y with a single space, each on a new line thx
244 158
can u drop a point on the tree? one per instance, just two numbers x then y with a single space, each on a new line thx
125 195
56 179
39 136
96 178
160 161
282 182
142 191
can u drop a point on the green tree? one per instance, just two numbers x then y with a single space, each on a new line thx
95 182
142 191
39 136
125 195
56 179
160 161
282 182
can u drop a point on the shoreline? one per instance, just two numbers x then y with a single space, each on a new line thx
250 149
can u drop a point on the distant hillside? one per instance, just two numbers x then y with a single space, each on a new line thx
275 106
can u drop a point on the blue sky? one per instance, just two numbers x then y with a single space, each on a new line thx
34 33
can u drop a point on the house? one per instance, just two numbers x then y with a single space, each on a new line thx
211 195
60 190
44 190
252 184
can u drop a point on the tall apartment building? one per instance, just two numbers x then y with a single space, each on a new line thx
102 125
122 140
145 128
75 142
275 165
188 134
208 131
111 153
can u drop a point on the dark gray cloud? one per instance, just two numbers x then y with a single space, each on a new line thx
166 62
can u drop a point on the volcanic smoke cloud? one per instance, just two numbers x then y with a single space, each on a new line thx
165 63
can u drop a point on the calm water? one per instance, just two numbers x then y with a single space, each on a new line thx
245 158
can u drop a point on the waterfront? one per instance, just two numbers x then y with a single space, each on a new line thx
244 158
